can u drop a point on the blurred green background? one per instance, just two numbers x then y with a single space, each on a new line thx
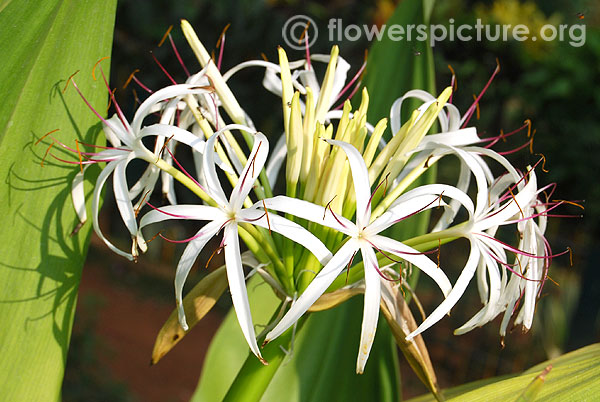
552 83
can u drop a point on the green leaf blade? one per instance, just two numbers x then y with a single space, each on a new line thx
42 44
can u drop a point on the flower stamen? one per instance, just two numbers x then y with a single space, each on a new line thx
165 36
69 80
96 65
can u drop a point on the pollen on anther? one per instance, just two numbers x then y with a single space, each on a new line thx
165 36
69 80
137 70
45 135
96 65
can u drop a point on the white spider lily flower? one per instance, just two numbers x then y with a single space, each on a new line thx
486 253
363 236
126 140
226 216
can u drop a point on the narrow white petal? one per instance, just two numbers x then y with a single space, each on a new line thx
122 195
111 129
251 63
514 207
488 312
237 286
420 199
208 164
371 306
78 196
426 97
460 137
316 288
185 137
251 171
149 175
360 177
309 211
480 179
165 93
195 212
102 177
457 291
414 257
186 262
289 229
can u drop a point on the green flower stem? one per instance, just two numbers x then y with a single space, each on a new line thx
253 378
183 179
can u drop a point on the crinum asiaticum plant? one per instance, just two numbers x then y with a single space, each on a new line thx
344 186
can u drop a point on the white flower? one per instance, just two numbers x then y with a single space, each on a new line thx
226 216
127 145
487 256
363 236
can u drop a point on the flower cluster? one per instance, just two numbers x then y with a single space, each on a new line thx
344 187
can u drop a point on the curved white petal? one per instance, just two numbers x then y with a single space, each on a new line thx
165 93
122 195
310 212
287 228
511 208
113 130
452 123
251 171
185 137
460 137
191 212
414 257
208 165
371 306
457 291
489 311
237 286
186 262
102 177
78 196
360 177
251 63
316 288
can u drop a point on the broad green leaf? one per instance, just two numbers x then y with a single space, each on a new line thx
43 43
574 377
394 67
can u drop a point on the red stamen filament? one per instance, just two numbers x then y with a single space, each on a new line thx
221 45
187 73
163 69
185 171
469 113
